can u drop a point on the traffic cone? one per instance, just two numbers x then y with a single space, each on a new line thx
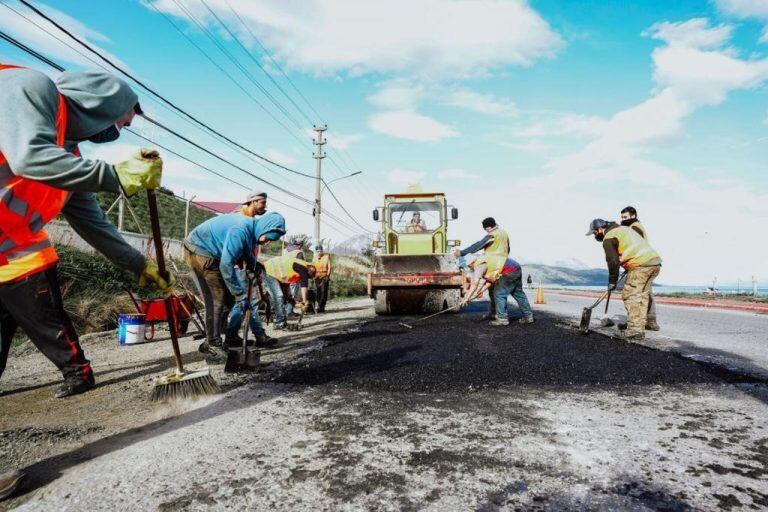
540 295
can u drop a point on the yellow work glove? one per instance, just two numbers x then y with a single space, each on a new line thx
141 172
151 274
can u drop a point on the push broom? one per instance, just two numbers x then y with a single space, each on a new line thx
180 384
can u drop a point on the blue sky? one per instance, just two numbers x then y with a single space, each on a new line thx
542 114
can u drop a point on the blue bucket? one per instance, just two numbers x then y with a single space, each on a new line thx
130 329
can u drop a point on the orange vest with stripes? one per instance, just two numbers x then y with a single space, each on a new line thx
26 206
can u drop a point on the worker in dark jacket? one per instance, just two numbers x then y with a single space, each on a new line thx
629 219
43 175
213 250
624 247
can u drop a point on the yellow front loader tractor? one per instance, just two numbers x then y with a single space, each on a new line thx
414 271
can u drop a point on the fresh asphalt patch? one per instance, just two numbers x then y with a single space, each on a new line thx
455 353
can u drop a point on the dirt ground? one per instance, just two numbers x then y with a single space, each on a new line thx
34 425
357 413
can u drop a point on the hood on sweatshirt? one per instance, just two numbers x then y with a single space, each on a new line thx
270 221
95 101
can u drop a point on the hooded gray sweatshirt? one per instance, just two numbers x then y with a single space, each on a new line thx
95 100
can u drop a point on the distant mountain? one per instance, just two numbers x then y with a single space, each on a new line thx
353 246
565 276
571 263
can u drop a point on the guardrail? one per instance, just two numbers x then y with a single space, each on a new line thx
62 233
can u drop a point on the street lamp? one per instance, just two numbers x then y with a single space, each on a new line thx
326 183
319 192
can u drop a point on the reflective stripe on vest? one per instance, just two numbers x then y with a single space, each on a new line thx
322 265
640 227
281 268
634 250
500 243
26 206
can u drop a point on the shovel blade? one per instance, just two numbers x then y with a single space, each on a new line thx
586 316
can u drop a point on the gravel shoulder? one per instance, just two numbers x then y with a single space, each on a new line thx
35 426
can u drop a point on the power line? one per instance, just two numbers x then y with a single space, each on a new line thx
277 64
51 63
152 91
256 61
242 69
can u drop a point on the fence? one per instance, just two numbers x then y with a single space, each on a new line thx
62 233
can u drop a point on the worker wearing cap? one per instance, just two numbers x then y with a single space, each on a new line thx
496 241
624 247
504 276
322 263
255 204
213 250
629 219
42 175
281 272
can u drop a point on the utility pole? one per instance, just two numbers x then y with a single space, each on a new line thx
186 217
319 141
754 287
120 212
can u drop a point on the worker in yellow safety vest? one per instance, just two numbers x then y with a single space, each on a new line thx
281 272
322 263
624 247
42 175
496 241
504 276
629 219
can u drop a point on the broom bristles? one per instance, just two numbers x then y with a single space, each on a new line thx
184 386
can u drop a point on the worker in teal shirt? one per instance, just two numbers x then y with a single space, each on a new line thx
213 250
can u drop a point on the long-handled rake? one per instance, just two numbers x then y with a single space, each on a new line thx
410 326
180 384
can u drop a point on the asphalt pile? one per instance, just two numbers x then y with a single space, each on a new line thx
462 353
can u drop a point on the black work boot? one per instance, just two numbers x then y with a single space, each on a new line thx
74 387
10 482
214 352
265 341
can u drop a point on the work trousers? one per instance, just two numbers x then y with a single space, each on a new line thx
216 296
322 284
34 304
236 315
636 295
511 284
280 303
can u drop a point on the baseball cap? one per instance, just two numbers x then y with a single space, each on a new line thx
254 195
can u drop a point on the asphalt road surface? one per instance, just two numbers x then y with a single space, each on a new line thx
452 415
731 338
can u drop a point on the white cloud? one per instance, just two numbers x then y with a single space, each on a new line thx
405 177
429 37
397 94
694 69
342 141
279 157
482 103
757 9
37 38
694 33
410 125
557 124
531 146
456 174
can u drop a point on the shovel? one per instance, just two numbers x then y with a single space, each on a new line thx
586 314
245 358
